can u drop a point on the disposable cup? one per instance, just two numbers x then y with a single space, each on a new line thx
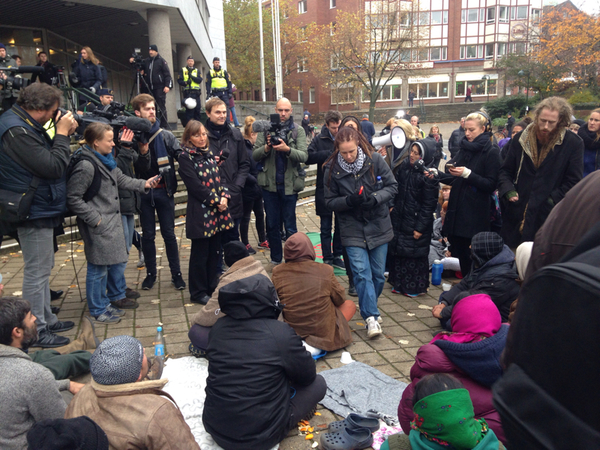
346 358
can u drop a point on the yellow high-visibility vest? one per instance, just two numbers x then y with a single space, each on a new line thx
186 76
218 80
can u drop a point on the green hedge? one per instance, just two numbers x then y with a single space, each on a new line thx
514 104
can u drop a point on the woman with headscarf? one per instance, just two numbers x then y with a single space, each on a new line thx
444 418
471 353
590 133
315 303
412 220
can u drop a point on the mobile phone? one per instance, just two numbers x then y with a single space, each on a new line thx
450 166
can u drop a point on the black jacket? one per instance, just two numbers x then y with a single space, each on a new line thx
146 165
319 150
361 228
560 171
251 188
253 360
469 206
235 168
454 142
129 201
496 278
157 73
413 210
88 73
439 150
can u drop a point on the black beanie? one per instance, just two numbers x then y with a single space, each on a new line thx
234 251
80 433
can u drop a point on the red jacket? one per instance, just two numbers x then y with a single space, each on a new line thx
431 359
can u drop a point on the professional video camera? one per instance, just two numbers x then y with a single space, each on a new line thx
138 60
274 127
15 83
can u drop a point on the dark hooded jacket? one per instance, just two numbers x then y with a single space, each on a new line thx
253 360
88 73
591 154
496 278
319 150
414 206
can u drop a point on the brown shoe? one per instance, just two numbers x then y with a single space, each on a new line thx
125 303
130 293
88 333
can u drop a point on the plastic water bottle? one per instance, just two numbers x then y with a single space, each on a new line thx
436 272
379 184
159 344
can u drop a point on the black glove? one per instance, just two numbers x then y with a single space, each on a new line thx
369 203
355 199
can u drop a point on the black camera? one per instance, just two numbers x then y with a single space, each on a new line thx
138 60
420 167
14 83
278 131
77 117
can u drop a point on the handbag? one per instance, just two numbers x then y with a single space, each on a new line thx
15 206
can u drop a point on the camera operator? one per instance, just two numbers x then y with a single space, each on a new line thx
49 70
158 78
280 178
190 78
227 144
30 161
157 158
218 83
106 98
7 94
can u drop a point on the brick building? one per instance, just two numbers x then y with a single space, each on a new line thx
462 40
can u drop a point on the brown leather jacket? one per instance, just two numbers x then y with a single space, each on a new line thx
134 416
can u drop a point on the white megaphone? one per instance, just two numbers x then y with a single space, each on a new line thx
396 137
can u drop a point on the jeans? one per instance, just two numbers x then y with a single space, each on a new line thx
157 199
368 267
279 206
255 205
128 228
235 119
326 228
38 257
99 279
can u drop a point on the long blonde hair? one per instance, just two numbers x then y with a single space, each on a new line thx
91 56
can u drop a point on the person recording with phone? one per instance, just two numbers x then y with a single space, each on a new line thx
33 166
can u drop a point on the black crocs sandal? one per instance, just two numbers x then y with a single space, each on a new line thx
354 421
347 439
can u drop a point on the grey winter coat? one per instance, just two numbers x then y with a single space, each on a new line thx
361 228
129 201
104 241
29 394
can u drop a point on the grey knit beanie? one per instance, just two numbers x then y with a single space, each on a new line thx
117 360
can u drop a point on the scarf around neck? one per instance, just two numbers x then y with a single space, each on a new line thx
530 145
447 418
354 167
590 138
108 160
160 149
478 143
216 130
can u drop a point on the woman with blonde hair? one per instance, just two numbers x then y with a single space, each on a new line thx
590 133
434 133
87 72
473 175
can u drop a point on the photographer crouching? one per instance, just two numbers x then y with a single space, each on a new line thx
33 174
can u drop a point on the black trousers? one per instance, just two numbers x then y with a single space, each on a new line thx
161 114
256 205
304 399
203 272
460 248
193 113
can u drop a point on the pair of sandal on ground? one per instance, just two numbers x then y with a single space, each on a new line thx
353 433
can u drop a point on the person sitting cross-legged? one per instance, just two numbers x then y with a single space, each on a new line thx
315 303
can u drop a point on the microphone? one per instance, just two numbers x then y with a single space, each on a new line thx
138 124
260 126
31 69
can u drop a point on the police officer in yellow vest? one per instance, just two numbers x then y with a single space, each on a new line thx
189 78
218 84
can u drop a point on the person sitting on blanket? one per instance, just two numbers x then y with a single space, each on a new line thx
261 381
443 417
241 265
494 272
471 353
315 303
133 413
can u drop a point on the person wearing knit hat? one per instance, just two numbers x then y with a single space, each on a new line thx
80 433
493 272
134 412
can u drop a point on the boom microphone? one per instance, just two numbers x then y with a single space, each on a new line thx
31 69
138 124
260 126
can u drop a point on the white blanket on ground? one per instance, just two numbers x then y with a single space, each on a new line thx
187 384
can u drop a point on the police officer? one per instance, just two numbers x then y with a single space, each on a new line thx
218 83
106 98
189 78
158 77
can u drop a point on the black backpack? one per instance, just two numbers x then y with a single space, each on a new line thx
94 188
547 398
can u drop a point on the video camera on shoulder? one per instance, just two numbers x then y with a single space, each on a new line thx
14 82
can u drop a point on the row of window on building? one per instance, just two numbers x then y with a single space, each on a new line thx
503 13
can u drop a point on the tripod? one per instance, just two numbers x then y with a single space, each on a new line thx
135 89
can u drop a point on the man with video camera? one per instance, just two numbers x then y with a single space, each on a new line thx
7 94
33 171
157 157
190 79
158 80
281 155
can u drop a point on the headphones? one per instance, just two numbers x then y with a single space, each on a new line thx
488 125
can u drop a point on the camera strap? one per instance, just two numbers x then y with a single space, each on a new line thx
154 135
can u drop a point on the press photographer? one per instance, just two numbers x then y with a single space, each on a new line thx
32 173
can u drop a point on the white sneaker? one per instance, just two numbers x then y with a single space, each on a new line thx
373 328
379 320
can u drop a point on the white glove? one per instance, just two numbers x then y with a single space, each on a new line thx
93 89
